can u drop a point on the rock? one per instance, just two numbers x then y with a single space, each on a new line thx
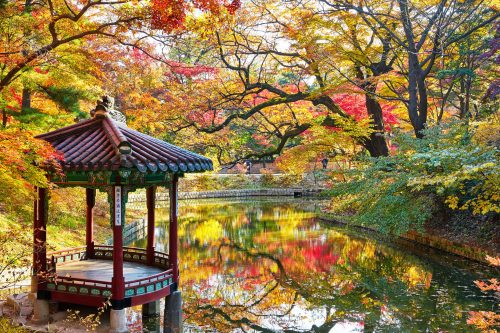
13 302
59 316
22 321
17 301
1 308
26 310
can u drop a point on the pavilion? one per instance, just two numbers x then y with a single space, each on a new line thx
102 153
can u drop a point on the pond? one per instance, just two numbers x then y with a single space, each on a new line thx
271 265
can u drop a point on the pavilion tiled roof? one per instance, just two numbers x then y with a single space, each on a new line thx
102 143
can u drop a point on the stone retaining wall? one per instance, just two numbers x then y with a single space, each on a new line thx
463 250
261 192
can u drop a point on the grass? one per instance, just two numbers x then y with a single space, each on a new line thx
7 327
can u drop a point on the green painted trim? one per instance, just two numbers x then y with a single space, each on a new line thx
122 176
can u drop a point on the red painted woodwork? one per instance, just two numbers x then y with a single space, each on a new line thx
99 142
99 301
77 299
35 233
60 257
150 203
105 143
150 297
173 239
118 281
40 235
90 196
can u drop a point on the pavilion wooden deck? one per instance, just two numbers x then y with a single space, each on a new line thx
73 275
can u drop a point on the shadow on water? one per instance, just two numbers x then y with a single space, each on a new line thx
270 265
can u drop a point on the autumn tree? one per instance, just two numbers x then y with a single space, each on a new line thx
273 92
422 31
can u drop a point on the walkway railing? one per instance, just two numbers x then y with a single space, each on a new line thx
268 192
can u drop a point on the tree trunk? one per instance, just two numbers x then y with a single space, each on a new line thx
423 105
465 88
26 101
413 94
376 145
4 118
417 92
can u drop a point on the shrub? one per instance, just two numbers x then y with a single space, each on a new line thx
400 192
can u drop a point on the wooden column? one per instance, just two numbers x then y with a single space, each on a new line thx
173 241
40 235
90 196
117 218
35 237
150 203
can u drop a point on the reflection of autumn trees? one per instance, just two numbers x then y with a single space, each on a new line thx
255 289
263 267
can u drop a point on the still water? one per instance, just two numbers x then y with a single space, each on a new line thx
272 266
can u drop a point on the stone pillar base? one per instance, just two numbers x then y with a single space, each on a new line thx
118 321
41 311
151 309
173 313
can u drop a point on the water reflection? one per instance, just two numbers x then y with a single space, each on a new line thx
266 266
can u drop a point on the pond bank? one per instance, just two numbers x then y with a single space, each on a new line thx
433 240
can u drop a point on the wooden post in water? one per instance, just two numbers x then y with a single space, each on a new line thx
173 241
89 236
173 302
150 203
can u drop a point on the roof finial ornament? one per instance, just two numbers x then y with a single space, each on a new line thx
108 102
106 108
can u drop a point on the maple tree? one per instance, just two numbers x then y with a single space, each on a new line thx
422 39
290 81
296 58
171 15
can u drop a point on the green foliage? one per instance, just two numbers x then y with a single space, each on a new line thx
68 98
5 324
401 192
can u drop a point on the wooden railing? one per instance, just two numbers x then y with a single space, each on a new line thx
100 288
80 286
55 257
148 284
161 259
103 252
